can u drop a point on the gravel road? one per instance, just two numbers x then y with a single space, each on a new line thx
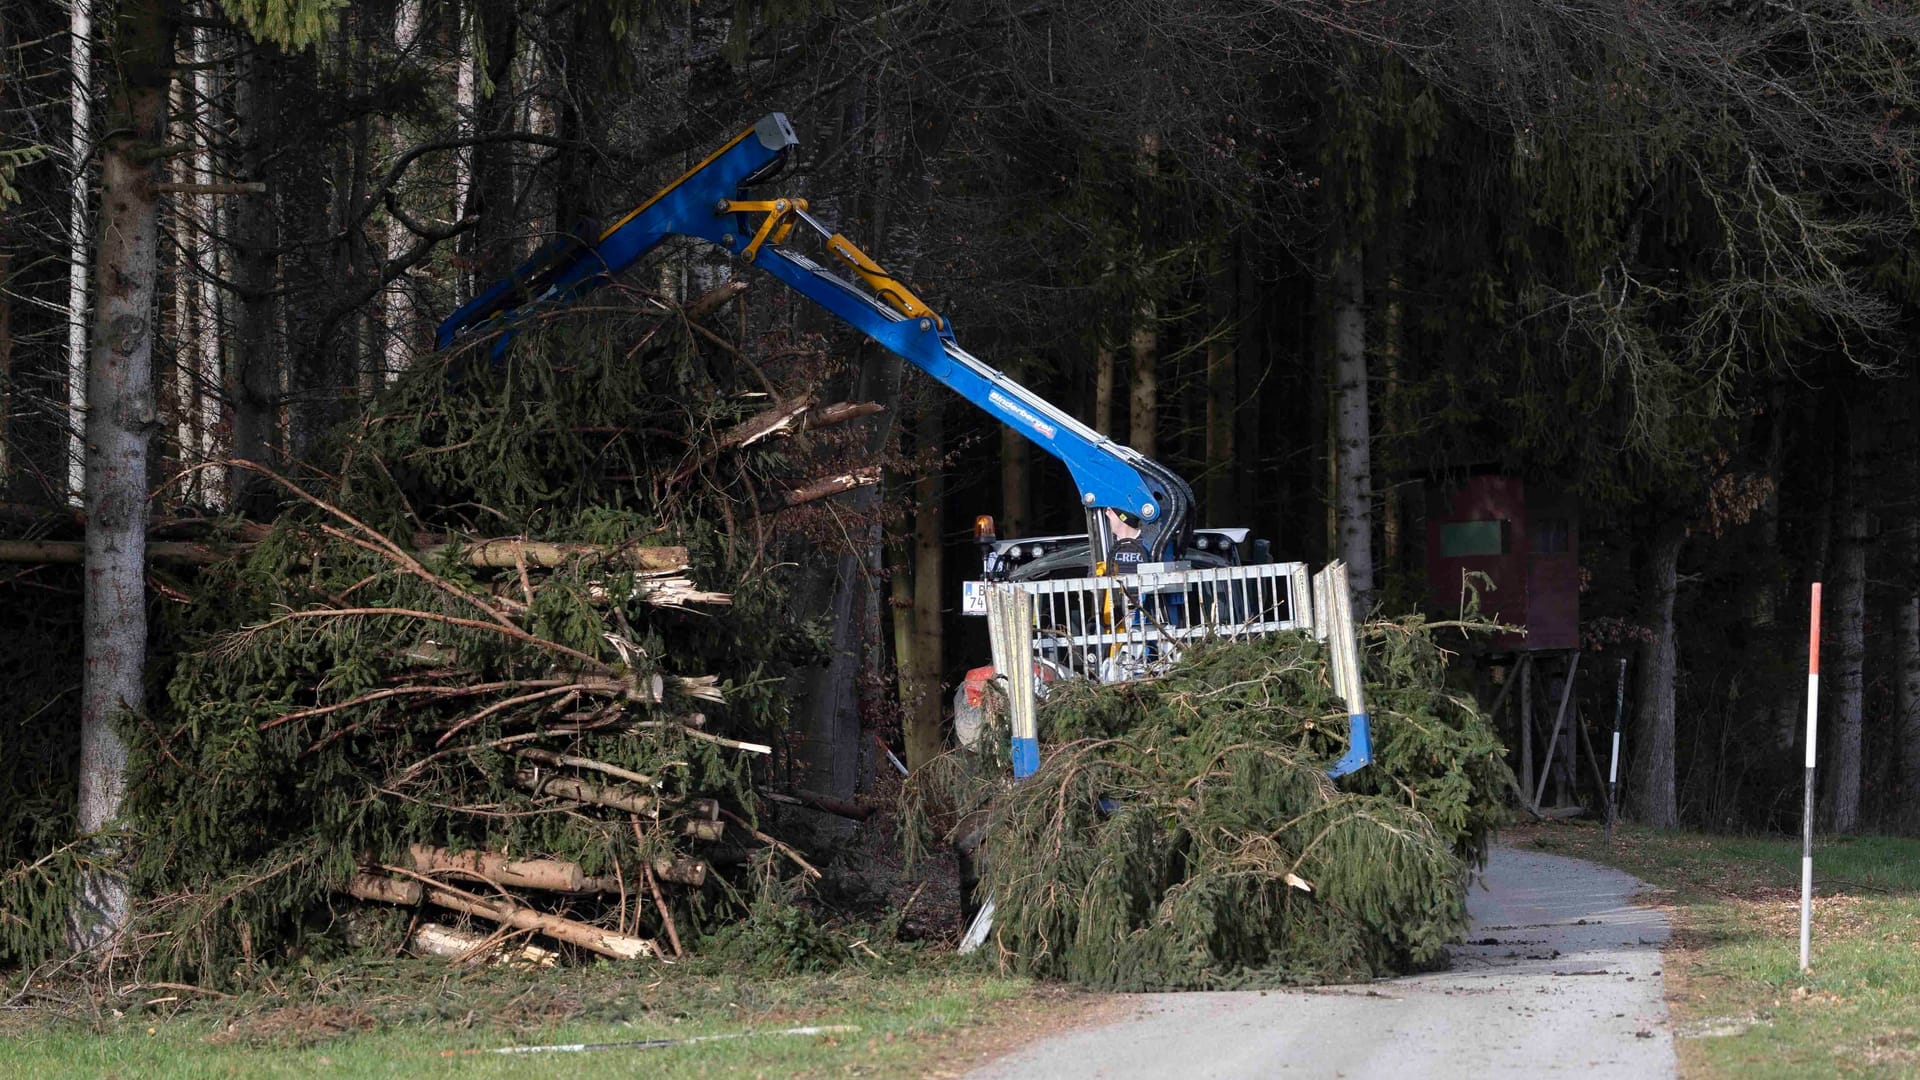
1561 975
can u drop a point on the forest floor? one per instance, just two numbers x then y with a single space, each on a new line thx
1741 1007
927 1015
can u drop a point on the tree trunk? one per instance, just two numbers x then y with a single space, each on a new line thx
1907 646
1653 796
1222 356
1353 436
6 367
491 198
1016 474
586 68
1104 378
254 375
120 422
1393 511
926 704
1840 765
833 748
1143 398
79 149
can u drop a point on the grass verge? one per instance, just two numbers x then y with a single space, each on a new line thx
1740 1004
424 1019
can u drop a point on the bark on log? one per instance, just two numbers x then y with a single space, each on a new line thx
645 689
714 299
703 829
552 875
489 554
680 871
547 555
386 890
821 489
658 591
435 939
548 757
591 938
582 792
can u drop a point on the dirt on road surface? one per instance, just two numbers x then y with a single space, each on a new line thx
1560 975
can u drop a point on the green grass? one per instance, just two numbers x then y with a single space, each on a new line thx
1741 1005
412 1019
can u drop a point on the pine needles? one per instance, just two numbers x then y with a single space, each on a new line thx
1182 833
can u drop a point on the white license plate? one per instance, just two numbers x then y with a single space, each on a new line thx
973 598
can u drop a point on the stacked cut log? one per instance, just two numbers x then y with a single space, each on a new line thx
514 897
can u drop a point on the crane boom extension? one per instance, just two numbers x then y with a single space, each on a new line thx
707 204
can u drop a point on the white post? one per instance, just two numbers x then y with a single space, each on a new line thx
1806 817
79 150
1613 766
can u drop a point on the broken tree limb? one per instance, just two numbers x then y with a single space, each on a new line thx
506 554
671 592
841 412
680 870
485 554
785 419
592 938
821 489
837 807
703 687
711 832
644 689
460 946
193 553
552 875
386 890
714 299
582 792
806 867
548 757
734 744
653 887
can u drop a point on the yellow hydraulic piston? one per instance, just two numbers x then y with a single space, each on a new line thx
778 224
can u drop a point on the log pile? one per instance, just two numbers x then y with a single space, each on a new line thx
513 662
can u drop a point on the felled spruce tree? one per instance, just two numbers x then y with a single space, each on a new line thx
1181 832
531 609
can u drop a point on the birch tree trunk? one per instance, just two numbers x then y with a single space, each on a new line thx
120 423
1652 796
79 147
1353 435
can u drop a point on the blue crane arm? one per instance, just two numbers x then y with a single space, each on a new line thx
707 204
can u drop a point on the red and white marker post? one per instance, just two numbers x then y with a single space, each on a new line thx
1806 817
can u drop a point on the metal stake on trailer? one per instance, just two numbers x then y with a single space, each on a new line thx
1806 815
1613 769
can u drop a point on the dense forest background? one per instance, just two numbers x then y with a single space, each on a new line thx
1318 257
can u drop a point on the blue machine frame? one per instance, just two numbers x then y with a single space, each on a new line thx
705 204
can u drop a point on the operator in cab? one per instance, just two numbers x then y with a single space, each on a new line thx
1128 551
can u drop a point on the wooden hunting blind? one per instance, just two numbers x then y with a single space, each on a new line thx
1525 539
